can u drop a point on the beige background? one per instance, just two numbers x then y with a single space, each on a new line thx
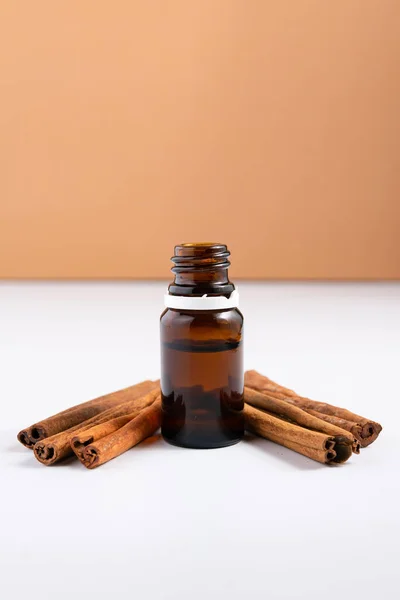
129 126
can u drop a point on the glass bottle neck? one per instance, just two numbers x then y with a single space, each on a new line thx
201 269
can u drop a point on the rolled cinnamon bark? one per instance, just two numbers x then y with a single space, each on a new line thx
81 412
296 415
88 436
342 423
132 433
313 444
304 404
364 430
265 383
57 447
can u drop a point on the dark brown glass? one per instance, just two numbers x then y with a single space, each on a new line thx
202 355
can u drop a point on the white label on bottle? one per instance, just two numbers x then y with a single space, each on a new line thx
202 302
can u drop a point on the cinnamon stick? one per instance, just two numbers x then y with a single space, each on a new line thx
298 401
364 430
81 412
343 423
88 436
296 415
133 432
321 447
58 446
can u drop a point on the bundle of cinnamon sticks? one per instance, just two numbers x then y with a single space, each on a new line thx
320 431
98 430
101 429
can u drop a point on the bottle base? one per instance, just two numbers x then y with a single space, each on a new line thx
202 445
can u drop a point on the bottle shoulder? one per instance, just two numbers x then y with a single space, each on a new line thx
173 315
200 323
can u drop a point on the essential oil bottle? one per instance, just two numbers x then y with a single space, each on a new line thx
202 351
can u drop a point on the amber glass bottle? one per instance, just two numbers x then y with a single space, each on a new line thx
202 351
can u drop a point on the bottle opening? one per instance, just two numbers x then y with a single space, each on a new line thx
200 249
189 244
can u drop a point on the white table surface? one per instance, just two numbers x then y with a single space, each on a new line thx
250 521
